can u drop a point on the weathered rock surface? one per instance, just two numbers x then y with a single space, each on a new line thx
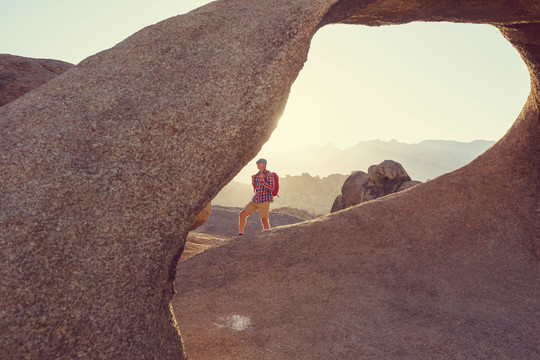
18 75
386 178
105 168
198 242
352 192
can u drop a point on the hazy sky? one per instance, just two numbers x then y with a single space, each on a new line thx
408 82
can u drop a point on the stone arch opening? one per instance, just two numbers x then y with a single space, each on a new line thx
438 106
377 106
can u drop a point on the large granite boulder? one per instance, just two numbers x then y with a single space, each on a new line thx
353 191
18 75
105 167
388 176
383 179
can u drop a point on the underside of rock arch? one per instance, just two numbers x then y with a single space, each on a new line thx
105 167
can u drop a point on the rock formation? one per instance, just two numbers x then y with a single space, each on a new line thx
105 168
386 178
18 75
352 191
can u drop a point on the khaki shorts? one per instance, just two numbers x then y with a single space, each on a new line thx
263 208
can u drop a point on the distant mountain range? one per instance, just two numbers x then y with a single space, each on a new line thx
324 169
425 160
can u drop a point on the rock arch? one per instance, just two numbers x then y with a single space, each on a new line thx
105 167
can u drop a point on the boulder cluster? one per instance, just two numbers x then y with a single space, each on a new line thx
386 178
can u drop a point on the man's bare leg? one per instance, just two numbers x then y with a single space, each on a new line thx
242 221
265 223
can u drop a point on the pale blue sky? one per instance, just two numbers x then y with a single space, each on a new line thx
408 82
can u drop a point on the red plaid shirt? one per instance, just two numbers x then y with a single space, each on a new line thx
263 188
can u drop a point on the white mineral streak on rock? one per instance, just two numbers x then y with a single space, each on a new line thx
235 322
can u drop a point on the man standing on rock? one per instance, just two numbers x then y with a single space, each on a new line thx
263 184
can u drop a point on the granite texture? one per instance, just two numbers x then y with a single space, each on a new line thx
105 167
19 75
